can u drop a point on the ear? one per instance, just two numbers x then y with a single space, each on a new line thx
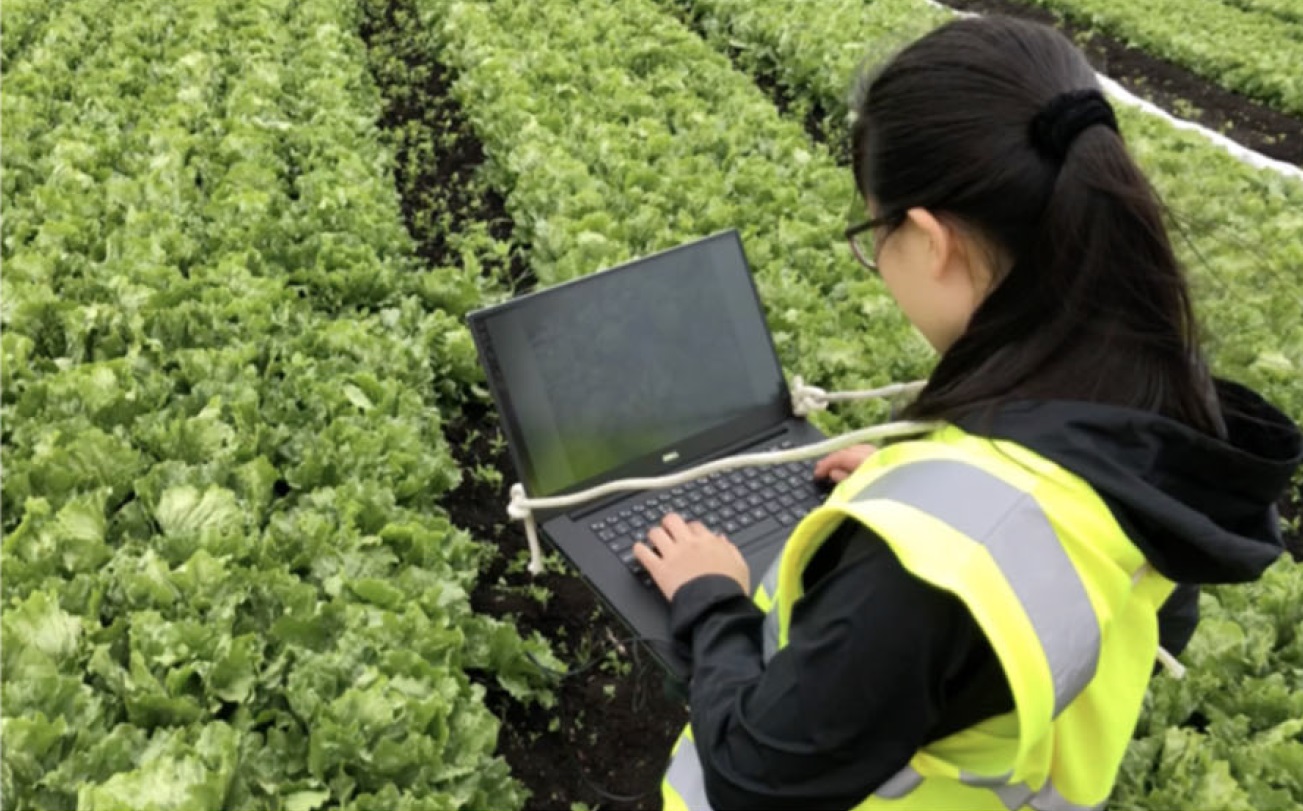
941 243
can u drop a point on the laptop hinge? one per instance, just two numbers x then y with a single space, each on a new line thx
588 508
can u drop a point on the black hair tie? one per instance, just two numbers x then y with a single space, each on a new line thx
1059 123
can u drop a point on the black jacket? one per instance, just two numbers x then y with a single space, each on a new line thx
879 663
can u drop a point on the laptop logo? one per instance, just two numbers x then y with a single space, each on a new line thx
670 457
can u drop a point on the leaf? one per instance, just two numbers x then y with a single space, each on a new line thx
184 510
38 624
357 397
306 800
176 773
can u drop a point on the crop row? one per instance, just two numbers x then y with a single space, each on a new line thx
1243 50
227 579
21 22
1287 11
450 211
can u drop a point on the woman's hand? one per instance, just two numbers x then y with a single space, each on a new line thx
688 551
840 464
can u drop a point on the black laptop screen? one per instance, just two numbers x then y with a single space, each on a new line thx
632 369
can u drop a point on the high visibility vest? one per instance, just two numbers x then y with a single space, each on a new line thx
1066 600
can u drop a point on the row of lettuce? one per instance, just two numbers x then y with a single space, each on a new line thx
1283 10
227 579
608 153
21 21
1253 47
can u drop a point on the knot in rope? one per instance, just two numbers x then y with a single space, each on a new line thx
518 509
807 399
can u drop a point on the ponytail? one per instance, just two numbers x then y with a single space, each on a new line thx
999 124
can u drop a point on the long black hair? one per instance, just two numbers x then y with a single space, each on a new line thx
1095 305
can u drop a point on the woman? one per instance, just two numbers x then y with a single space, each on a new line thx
973 617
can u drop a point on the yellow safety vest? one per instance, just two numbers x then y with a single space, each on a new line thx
1066 600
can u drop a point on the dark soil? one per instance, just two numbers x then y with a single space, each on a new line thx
1168 85
437 156
607 741
616 720
816 120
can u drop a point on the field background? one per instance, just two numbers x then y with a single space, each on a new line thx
255 545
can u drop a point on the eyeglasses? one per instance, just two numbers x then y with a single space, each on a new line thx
861 236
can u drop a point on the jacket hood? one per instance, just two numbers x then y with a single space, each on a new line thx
1201 508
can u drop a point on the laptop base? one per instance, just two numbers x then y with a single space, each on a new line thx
641 607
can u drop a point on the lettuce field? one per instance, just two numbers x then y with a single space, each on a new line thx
255 544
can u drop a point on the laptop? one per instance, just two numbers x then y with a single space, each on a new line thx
644 369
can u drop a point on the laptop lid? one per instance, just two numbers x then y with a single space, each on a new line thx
634 370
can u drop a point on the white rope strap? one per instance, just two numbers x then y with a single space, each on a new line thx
806 399
522 508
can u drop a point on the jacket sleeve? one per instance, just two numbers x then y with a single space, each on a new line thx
877 664
1177 618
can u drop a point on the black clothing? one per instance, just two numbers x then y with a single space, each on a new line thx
880 663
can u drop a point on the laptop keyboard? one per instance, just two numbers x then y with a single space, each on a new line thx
743 505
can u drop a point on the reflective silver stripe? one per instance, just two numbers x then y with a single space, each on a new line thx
970 779
1019 538
1014 797
900 784
770 583
769 634
1049 799
1019 795
684 776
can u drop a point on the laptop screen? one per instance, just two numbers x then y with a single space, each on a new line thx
633 370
